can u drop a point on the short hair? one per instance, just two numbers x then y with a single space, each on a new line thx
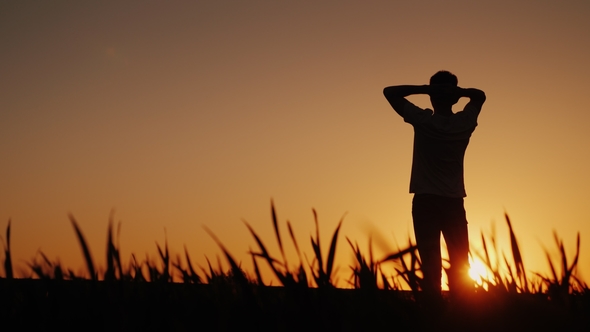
444 77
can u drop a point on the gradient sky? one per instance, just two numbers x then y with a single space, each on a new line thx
180 114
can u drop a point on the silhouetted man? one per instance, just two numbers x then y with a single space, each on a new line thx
440 141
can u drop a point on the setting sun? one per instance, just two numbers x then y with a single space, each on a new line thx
478 271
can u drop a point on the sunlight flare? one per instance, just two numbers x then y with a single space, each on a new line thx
477 271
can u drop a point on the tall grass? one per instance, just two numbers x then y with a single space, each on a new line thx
169 292
507 273
565 282
321 273
514 278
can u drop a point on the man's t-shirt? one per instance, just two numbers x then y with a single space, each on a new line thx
439 149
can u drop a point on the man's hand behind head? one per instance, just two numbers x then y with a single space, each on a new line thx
445 94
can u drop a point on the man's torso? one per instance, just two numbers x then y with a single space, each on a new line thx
439 149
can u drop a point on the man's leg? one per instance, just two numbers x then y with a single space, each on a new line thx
456 237
427 235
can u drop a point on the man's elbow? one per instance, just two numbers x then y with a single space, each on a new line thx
393 93
483 96
388 91
479 96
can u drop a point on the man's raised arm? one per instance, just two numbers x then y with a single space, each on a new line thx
396 95
476 97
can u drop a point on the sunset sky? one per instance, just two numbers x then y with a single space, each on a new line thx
179 114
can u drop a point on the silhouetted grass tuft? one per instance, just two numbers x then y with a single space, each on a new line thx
323 275
365 273
407 271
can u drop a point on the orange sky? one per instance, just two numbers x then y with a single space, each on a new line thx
184 114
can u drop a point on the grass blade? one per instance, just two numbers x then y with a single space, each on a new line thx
7 255
256 269
316 245
110 273
294 241
194 276
275 225
517 257
332 251
85 249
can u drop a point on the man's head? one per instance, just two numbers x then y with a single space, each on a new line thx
444 100
444 77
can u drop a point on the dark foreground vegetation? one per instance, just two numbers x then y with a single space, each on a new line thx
43 305
170 295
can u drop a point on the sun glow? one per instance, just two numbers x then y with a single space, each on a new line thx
478 271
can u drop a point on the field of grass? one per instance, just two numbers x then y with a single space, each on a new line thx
173 294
